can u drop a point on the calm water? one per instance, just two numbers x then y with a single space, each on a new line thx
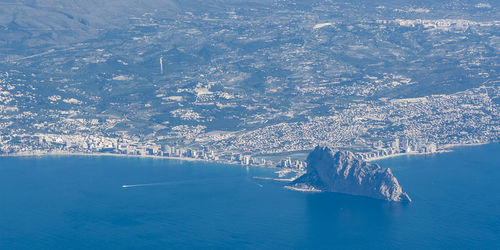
79 203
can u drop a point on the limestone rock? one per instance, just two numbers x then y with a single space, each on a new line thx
344 172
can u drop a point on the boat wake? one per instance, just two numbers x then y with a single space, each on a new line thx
147 184
170 183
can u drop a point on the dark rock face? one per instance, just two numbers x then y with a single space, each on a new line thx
343 172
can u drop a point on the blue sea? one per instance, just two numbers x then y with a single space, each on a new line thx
78 202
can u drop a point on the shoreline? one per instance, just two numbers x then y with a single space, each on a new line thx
466 145
304 189
62 153
447 148
406 154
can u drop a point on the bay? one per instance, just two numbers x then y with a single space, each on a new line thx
79 202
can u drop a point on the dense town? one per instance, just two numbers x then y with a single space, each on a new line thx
427 125
254 88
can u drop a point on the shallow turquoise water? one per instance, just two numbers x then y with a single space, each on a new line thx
79 203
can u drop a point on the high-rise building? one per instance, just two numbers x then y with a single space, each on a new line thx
403 143
395 145
161 65
432 148
246 160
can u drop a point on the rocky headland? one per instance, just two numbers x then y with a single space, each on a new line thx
344 172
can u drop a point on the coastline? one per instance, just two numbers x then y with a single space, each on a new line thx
406 154
303 189
447 148
63 153
466 145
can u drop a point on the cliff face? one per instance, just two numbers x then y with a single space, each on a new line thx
343 172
